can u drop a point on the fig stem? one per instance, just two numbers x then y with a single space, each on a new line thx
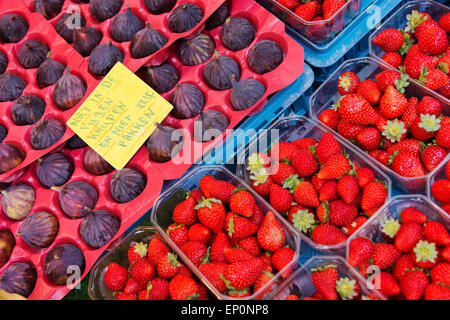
57 189
216 54
18 234
49 54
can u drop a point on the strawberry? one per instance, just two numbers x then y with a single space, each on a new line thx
440 273
280 198
281 171
239 228
403 264
444 22
447 170
446 91
446 207
385 255
257 217
200 233
212 272
389 40
258 161
441 191
445 253
233 255
357 110
360 249
317 183
183 288
324 279
304 163
317 30
250 245
142 271
115 277
291 297
307 11
237 294
281 258
388 285
328 192
348 130
218 246
413 284
156 250
195 251
434 79
283 151
327 147
348 289
408 145
433 40
307 222
390 229
417 18
301 218
261 182
184 212
205 185
157 289
243 274
342 214
425 254
290 4
178 234
365 176
330 7
393 104
328 234
264 278
136 252
432 156
444 63
355 225
168 267
271 234
305 143
412 214
443 136
369 139
365 268
185 271
347 83
430 105
125 296
330 118
373 197
370 297
132 286
415 60
306 195
436 292
393 58
222 190
243 203
410 113
196 194
435 231
393 131
335 167
387 78
408 165
211 213
407 236
369 89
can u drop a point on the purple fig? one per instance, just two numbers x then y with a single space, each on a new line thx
48 8
68 23
61 262
124 26
10 157
39 229
49 72
76 198
105 9
11 87
18 201
76 143
164 143
3 62
187 100
28 109
161 78
265 56
3 132
69 90
95 164
86 39
98 228
237 33
46 133
13 28
7 244
219 71
197 50
160 6
103 58
185 17
33 53
146 42
218 17
127 184
209 125
54 170
246 93
19 278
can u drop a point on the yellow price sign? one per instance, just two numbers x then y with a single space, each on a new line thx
119 116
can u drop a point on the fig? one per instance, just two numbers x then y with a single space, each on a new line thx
237 33
61 262
18 201
68 23
218 72
39 229
76 143
103 58
49 72
209 125
19 278
3 62
127 184
219 16
197 50
54 170
105 9
11 87
86 39
146 42
246 93
13 28
124 26
69 90
7 244
187 100
28 109
76 198
46 133
164 144
95 164
161 78
81 1
265 56
3 132
185 17
33 53
48 8
160 6
98 228
10 157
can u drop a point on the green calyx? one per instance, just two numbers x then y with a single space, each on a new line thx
231 227
429 123
173 260
292 182
444 67
303 220
255 163
141 249
407 44
414 19
392 157
345 82
402 83
323 268
394 130
425 251
207 203
346 288
390 227
205 258
259 177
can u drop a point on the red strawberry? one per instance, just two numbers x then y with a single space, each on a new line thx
271 234
250 245
264 278
322 214
211 213
243 203
291 297
348 289
415 60
221 190
156 250
348 188
304 163
257 217
425 254
142 271
283 151
305 143
389 40
388 285
195 251
196 194
233 255
237 294
393 58
433 40
434 79
115 277
205 183
429 105
408 165
359 250
355 225
280 199
306 195
168 267
348 130
125 296
342 214
441 190
261 182
403 264
330 7
157 289
330 117
290 4
243 274
239 228
307 10
365 176
387 78
369 138
432 156
413 284
185 271
444 22
327 147
281 171
213 271
301 218
200 233
373 197
281 258
423 23
132 286
357 110
393 104
407 236
435 231
329 191
410 113
184 212
412 214
444 63
178 234
369 89
328 234
335 167
317 183
183 288
347 83
436 292
440 273
136 252
218 246
324 279
385 255
408 145
443 136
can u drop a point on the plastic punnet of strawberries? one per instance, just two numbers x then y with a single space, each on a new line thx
413 261
154 274
315 185
313 10
407 135
224 233
440 190
421 50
